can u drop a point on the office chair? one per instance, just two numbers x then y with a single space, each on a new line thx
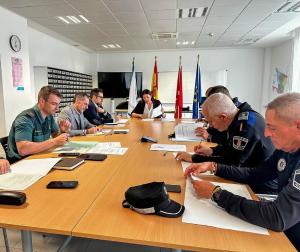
3 141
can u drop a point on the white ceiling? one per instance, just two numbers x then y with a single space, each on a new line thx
130 23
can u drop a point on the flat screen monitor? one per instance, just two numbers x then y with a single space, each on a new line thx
117 84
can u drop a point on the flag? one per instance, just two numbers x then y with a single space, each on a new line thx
178 105
132 91
197 92
154 82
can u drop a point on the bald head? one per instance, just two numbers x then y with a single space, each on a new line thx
286 107
217 104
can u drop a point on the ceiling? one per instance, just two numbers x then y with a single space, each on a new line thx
130 23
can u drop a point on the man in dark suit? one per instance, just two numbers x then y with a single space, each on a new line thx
95 112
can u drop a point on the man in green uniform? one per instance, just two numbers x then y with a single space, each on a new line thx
32 129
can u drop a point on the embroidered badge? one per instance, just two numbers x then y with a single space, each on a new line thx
243 116
239 143
296 180
281 164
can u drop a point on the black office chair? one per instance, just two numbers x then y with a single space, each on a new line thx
3 142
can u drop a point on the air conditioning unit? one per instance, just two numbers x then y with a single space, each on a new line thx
164 35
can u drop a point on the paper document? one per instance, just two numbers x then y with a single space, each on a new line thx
26 172
206 212
147 120
157 111
168 119
112 148
185 164
76 146
121 130
187 132
188 122
122 121
167 147
100 133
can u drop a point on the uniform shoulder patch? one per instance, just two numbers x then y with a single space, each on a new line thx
239 142
243 116
281 164
296 179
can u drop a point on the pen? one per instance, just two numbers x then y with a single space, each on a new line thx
165 153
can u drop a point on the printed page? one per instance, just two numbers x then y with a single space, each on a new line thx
16 181
157 111
168 147
76 146
39 166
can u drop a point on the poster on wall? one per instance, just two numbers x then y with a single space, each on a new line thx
279 83
17 73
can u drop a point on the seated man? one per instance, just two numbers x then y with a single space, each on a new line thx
95 112
31 130
245 144
4 164
283 214
74 114
211 134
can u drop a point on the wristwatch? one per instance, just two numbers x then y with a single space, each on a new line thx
216 194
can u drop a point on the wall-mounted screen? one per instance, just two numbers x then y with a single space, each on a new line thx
117 84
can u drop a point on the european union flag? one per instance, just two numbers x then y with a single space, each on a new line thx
197 93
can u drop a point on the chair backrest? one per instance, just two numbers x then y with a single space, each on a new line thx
3 141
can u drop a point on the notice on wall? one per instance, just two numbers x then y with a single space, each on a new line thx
17 73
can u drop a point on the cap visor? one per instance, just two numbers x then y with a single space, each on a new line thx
170 209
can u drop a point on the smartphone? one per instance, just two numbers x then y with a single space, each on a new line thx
173 188
68 154
62 184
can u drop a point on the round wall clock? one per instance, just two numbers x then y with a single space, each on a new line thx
15 43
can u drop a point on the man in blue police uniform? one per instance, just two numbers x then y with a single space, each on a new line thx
283 214
32 130
211 134
245 145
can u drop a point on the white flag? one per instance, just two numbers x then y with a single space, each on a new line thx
132 92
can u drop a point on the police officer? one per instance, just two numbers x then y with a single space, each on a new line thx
211 134
283 127
245 144
31 130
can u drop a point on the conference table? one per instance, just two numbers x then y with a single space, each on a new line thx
94 209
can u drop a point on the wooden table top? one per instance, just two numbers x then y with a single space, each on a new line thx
106 219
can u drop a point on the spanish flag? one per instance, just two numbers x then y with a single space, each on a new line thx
154 83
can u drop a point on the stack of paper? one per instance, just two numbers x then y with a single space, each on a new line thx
147 120
122 121
76 146
26 172
113 148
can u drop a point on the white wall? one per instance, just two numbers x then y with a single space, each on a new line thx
245 67
280 57
13 101
38 49
45 50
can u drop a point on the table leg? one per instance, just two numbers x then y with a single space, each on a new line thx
26 241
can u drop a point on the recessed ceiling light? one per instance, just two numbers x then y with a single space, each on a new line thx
185 42
193 42
84 18
64 20
117 45
104 46
192 12
111 46
177 43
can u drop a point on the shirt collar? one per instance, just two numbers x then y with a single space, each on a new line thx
39 114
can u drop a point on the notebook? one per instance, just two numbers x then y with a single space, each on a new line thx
68 163
93 156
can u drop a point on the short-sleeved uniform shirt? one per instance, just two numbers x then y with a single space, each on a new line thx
30 126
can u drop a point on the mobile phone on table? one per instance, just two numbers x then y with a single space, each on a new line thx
173 188
62 184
